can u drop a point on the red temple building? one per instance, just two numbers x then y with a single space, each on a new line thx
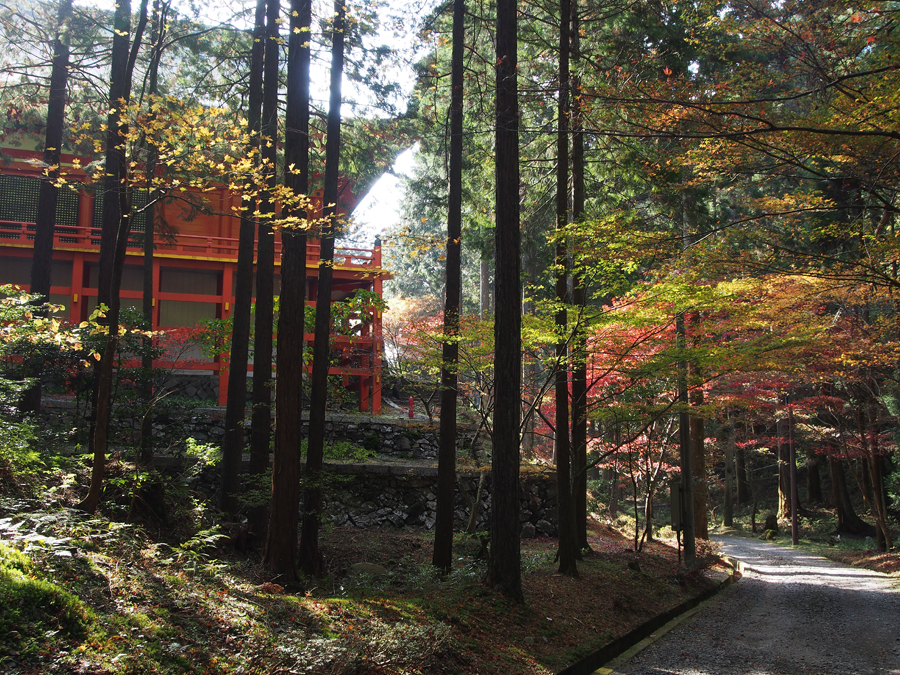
193 271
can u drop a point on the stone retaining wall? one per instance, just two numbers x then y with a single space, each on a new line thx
369 495
396 495
374 494
400 439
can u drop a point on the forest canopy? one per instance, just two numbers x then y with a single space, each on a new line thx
673 221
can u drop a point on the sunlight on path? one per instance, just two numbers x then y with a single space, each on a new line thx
791 614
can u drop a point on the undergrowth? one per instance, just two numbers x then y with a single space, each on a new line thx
35 613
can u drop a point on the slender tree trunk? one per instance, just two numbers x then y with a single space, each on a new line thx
876 497
684 438
613 477
883 533
795 497
528 422
784 473
632 475
813 477
484 288
728 508
648 518
567 544
476 503
698 458
443 532
310 556
579 298
113 239
281 542
236 405
146 442
865 482
848 521
695 423
504 570
743 480
261 417
45 225
157 34
698 465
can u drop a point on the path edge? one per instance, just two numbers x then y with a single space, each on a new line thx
594 661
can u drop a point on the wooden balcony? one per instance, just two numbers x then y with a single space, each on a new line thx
185 246
359 357
193 272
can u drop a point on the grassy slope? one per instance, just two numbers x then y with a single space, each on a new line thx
114 598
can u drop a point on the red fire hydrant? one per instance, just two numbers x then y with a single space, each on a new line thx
410 407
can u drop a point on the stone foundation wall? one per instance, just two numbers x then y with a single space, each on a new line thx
396 495
401 439
390 495
394 439
201 387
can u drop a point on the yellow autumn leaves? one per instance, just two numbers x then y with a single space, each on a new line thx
171 146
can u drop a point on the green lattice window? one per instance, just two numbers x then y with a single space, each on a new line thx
138 201
19 197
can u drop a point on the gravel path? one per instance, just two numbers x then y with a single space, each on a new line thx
791 614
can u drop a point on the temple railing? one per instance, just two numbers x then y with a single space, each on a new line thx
182 245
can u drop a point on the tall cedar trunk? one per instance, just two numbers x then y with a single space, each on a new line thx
813 477
728 507
613 476
443 525
795 497
698 451
532 371
281 542
883 534
684 442
566 512
472 525
695 431
579 299
698 466
528 422
484 288
876 497
784 473
45 222
157 34
310 557
743 480
611 473
115 227
236 405
848 521
504 570
261 417
860 469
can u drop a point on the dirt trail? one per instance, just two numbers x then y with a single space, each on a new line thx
791 614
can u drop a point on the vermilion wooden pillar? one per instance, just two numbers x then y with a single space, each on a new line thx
377 287
225 310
